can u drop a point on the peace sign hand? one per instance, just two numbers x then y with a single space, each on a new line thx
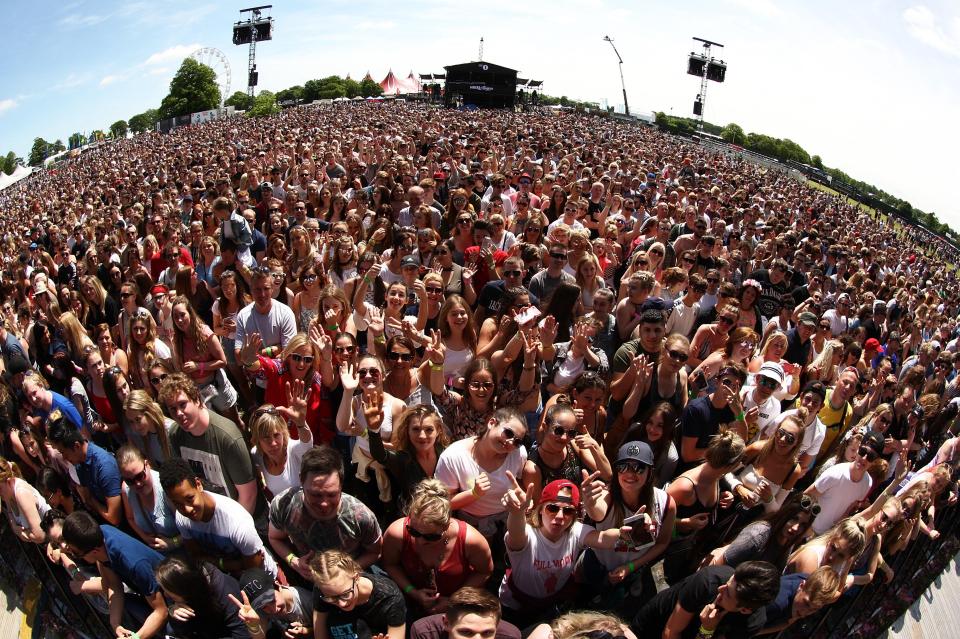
245 611
435 350
516 499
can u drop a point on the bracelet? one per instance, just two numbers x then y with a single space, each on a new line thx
379 339
175 540
407 589
741 416
529 368
436 367
631 567
367 280
706 633
73 571
333 327
473 490
289 558
220 563
251 364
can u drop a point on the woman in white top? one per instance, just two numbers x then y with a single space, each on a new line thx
543 549
632 492
275 455
474 469
23 503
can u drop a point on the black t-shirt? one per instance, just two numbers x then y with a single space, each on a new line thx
701 419
769 300
693 593
384 609
797 352
492 294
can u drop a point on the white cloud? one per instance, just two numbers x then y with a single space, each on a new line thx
923 25
6 105
376 25
173 54
79 21
107 80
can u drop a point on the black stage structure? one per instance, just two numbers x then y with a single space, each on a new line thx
482 84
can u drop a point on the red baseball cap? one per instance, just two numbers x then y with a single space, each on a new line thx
551 493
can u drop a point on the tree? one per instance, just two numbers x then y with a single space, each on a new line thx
194 88
816 162
98 136
265 103
119 129
239 100
294 93
370 89
58 147
733 134
8 164
352 87
39 151
76 140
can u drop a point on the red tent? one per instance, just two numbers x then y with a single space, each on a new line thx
392 85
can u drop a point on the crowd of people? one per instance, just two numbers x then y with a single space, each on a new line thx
377 371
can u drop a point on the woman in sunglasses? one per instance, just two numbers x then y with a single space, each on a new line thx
307 299
739 348
96 369
771 538
198 353
543 547
564 452
404 379
304 358
146 508
350 602
431 554
711 338
748 295
631 493
275 454
454 283
145 347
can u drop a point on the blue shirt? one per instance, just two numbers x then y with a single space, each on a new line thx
66 407
132 560
781 608
99 472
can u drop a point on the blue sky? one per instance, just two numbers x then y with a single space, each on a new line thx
869 85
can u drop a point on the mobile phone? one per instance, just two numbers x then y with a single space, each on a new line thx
530 314
638 533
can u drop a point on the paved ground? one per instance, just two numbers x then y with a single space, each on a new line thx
11 616
936 614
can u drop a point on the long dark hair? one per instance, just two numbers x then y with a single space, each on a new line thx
778 519
185 578
647 497
638 431
111 377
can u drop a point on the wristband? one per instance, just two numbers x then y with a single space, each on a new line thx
436 367
220 563
631 567
333 327
474 490
289 558
407 589
529 368
175 540
379 339
741 416
251 364
134 635
253 629
706 633
73 572
367 280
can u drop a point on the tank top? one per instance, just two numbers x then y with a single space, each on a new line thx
696 508
450 575
42 505
569 468
161 519
653 395
103 408
613 558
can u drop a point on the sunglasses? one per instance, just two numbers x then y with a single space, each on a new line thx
631 466
788 437
510 437
689 260
435 290
678 356
308 278
368 372
138 478
560 431
302 359
481 385
416 534
400 357
344 349
158 379
553 509
808 504
868 453
464 221
125 296
558 256
766 382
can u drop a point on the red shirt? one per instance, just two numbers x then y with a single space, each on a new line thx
277 376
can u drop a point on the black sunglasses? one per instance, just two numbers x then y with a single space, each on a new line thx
416 534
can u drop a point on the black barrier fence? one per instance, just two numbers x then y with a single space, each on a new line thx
877 605
59 612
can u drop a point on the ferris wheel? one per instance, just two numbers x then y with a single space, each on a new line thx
215 59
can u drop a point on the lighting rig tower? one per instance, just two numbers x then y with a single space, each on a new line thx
255 29
706 68
626 106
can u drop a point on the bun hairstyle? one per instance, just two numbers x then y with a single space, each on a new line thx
725 449
430 503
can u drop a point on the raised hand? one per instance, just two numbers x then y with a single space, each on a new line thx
375 320
372 406
548 330
531 347
592 488
435 350
245 611
296 409
250 349
517 499
349 377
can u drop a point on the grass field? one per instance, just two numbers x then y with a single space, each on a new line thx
873 212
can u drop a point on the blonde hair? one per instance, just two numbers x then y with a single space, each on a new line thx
580 624
297 342
9 470
139 401
129 453
330 564
430 503
724 449
265 421
76 334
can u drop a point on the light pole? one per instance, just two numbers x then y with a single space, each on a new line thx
626 106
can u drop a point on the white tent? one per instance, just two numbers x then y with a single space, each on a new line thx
18 174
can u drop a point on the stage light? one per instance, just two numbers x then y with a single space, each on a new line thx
716 70
695 65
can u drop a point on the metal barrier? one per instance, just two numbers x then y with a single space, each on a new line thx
68 615
877 605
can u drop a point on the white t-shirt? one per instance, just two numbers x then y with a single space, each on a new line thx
543 567
838 323
812 435
682 318
458 470
769 410
290 475
837 493
230 533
